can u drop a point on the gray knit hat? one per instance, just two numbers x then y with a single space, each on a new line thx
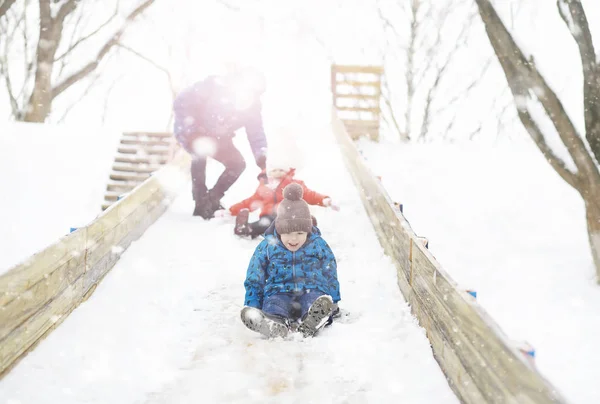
293 213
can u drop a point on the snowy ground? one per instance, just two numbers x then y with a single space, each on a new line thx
163 326
53 178
500 221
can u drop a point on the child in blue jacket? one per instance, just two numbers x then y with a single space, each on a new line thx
292 275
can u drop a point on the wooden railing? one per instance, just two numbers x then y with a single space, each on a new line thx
479 361
38 294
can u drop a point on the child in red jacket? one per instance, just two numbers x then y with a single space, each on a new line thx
267 197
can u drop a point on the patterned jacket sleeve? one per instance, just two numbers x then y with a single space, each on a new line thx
330 272
256 276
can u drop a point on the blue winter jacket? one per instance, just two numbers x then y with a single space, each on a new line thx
208 108
275 269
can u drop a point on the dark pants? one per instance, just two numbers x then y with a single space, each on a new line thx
258 228
226 154
292 306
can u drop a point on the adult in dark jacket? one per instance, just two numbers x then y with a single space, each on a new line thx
207 114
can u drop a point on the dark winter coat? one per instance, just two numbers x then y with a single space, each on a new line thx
208 108
275 269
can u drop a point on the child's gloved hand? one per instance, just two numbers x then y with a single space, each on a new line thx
327 202
222 213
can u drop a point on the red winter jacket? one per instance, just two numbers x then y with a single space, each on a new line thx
267 199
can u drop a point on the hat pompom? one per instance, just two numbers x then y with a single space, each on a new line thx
293 192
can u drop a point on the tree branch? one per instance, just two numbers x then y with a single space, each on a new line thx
386 22
14 105
387 99
5 6
580 30
82 96
114 40
539 139
66 9
90 35
524 80
156 65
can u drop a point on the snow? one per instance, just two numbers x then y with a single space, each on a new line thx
504 224
164 326
53 178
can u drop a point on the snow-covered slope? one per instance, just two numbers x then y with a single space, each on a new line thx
163 326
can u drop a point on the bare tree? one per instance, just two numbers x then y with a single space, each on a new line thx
542 112
48 73
421 51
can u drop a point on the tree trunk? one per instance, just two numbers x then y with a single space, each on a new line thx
592 213
40 102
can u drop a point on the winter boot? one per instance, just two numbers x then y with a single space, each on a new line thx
258 321
204 207
241 223
213 203
317 316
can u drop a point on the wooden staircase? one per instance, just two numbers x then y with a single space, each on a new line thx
356 92
139 155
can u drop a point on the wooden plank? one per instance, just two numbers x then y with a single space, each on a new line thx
107 239
59 275
463 385
136 168
140 159
144 142
467 344
121 187
26 336
374 110
356 83
358 96
38 267
117 176
126 232
360 123
160 135
141 151
112 196
357 69
27 304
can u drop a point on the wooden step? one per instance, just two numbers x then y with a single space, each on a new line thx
121 186
143 142
140 159
128 177
136 168
157 135
113 196
143 151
